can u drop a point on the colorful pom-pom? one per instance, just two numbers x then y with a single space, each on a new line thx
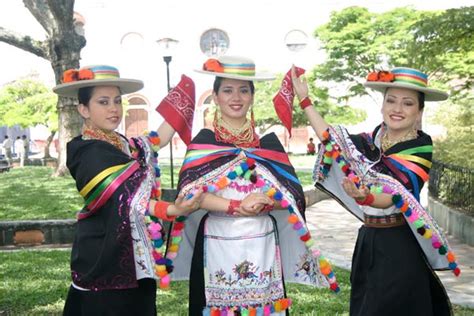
457 271
293 218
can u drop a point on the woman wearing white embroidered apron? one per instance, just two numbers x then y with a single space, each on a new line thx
118 234
378 177
249 236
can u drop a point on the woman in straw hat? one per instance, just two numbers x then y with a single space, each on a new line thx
118 233
250 234
378 177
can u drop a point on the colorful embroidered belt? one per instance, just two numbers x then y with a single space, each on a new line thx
391 220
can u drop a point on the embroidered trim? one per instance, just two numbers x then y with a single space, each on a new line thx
332 152
245 169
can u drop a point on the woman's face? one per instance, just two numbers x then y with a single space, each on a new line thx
104 110
401 109
234 99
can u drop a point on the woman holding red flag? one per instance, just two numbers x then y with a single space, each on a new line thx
378 177
117 249
250 235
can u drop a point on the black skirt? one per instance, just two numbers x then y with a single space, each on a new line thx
390 276
124 302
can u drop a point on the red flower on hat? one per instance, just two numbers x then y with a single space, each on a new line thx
85 74
213 65
69 75
382 76
72 75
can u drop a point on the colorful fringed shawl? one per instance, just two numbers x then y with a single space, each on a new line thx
217 166
401 171
109 181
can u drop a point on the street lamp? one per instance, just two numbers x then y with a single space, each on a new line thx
167 45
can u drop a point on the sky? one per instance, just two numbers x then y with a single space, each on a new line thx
256 29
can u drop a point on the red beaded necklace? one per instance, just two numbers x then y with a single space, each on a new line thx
244 137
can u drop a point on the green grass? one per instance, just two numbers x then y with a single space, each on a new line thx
32 193
35 282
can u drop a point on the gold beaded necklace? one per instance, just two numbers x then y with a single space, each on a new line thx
243 136
387 143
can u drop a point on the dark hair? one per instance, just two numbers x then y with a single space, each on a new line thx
311 139
6 136
218 82
421 99
84 95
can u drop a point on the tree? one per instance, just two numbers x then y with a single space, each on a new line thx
29 103
266 117
439 43
62 48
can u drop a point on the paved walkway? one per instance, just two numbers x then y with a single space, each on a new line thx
335 231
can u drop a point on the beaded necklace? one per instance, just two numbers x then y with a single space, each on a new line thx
111 137
332 152
387 143
244 136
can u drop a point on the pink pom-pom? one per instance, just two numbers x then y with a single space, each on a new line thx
175 233
316 253
154 227
260 183
297 225
386 189
284 203
436 244
156 255
171 255
165 280
155 235
413 217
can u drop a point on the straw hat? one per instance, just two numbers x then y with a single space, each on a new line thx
407 78
233 67
92 76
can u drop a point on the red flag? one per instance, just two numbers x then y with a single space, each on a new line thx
283 100
177 108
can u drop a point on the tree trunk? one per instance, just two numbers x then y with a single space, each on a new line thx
49 140
69 128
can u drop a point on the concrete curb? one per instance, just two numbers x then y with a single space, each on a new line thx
453 222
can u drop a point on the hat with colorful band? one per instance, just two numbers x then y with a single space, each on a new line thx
406 78
91 76
233 67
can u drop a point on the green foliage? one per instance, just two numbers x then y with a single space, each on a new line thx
266 117
440 43
458 145
445 43
28 103
357 41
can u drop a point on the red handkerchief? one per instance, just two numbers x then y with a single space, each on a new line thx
283 100
177 108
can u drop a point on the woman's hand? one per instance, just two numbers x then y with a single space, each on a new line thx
183 207
253 204
354 192
300 86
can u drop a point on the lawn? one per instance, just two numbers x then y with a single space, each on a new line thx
35 282
31 193
27 288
